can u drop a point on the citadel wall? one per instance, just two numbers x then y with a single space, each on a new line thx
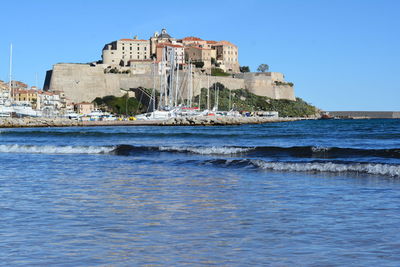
84 82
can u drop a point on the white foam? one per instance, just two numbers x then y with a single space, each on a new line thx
370 168
47 149
319 149
207 150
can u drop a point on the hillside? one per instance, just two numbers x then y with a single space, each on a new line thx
241 100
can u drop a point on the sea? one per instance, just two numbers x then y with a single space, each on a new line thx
305 193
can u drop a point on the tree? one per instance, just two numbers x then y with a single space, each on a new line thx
263 68
199 64
244 69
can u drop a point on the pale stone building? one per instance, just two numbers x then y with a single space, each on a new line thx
193 41
157 39
84 108
227 56
167 49
121 52
199 54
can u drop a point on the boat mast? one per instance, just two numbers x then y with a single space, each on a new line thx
176 84
217 96
208 92
171 89
10 77
200 94
190 84
153 92
230 99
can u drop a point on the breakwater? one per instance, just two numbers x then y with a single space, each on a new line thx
184 121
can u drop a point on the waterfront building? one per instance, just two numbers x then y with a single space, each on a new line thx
84 108
26 96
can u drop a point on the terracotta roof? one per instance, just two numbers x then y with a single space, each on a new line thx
133 40
211 42
226 43
140 60
167 44
25 91
197 47
192 38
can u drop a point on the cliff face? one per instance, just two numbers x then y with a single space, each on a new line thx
84 82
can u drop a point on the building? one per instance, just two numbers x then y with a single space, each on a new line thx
193 41
162 38
196 54
227 56
84 108
85 82
166 50
121 52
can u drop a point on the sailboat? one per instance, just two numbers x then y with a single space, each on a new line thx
169 105
7 104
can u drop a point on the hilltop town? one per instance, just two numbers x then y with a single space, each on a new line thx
127 64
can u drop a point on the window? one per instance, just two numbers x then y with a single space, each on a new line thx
145 48
130 48
145 57
123 48
138 48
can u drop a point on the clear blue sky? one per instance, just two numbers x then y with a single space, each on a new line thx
340 54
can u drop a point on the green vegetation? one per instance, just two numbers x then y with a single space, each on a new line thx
116 71
283 83
244 69
120 105
199 64
243 100
218 72
263 68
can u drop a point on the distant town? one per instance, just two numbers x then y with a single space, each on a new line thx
184 66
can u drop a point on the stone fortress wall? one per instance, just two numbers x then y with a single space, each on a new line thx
85 82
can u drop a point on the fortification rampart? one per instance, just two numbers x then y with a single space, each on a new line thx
84 82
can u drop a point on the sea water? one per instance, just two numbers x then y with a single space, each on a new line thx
307 193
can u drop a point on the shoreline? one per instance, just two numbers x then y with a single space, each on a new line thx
184 121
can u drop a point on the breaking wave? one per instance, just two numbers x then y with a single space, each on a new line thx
266 151
207 150
330 167
47 149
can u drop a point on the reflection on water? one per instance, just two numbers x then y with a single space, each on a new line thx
119 212
178 208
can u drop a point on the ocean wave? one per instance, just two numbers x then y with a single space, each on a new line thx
368 168
207 150
330 167
265 151
49 149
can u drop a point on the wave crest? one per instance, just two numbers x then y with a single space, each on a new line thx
368 168
207 150
47 149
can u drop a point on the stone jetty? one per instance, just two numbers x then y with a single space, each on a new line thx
183 121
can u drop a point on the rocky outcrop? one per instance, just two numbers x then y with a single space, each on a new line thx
36 122
182 121
208 121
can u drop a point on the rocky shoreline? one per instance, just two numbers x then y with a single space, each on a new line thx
184 121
